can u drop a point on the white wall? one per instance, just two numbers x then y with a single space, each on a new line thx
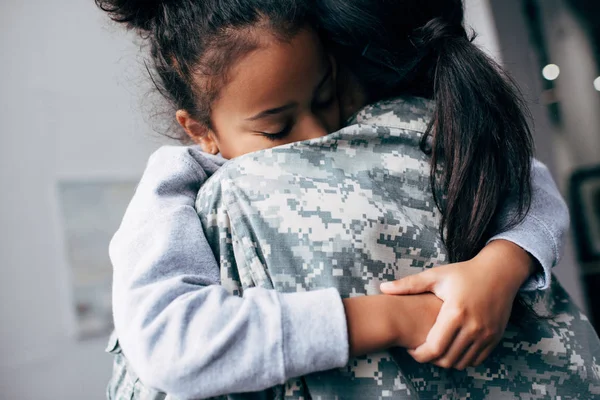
67 109
479 18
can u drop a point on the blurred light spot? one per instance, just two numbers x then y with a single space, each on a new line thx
597 83
551 72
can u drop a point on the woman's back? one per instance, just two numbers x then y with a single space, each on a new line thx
355 209
350 211
357 199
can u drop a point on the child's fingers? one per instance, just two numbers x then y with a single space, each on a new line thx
440 337
468 359
484 354
461 344
487 345
413 284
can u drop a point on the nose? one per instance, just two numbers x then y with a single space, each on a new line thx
312 127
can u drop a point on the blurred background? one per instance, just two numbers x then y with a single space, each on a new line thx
77 126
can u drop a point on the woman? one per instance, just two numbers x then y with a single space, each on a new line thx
353 209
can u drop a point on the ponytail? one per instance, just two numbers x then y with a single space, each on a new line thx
481 147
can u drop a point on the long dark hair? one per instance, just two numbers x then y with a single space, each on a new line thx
194 43
481 147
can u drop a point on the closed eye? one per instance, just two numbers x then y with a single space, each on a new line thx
277 135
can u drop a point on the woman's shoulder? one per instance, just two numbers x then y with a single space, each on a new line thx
406 114
412 113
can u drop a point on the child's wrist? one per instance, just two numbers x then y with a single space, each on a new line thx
371 323
418 314
508 261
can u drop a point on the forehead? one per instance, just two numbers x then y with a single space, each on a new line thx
275 74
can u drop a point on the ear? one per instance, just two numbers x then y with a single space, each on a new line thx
198 132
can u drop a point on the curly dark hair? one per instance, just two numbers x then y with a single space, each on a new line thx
194 43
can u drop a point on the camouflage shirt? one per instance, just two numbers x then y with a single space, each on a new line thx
352 210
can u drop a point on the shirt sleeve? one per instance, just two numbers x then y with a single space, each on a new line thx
184 334
542 233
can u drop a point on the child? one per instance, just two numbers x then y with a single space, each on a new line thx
168 307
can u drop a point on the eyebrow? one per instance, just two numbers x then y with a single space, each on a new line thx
279 110
272 111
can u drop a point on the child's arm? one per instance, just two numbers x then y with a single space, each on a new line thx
478 294
542 233
184 334
380 322
179 329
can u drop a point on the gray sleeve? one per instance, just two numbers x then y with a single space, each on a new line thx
184 334
542 232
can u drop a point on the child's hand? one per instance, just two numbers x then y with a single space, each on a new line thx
416 316
478 297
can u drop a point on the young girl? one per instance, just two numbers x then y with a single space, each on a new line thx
178 329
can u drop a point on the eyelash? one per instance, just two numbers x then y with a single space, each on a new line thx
279 135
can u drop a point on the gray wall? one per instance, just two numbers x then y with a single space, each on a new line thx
577 142
66 111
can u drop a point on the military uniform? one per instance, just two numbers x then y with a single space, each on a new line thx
352 210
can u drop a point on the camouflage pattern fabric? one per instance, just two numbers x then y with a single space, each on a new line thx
352 210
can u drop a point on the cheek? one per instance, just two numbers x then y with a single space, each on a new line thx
231 141
244 143
232 147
